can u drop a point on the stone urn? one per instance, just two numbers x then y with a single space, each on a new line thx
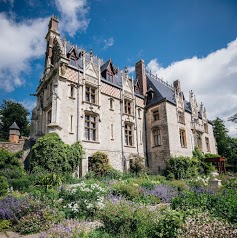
214 182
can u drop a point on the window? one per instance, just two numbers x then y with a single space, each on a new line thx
207 143
112 131
206 127
71 119
110 76
127 107
181 117
156 137
72 91
49 116
182 135
199 141
156 115
128 134
90 127
73 61
139 113
111 104
90 94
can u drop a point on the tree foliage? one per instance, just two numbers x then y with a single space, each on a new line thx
226 145
136 164
99 163
12 111
53 155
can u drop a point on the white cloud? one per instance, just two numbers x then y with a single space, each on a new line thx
212 78
74 15
20 43
108 43
29 104
131 69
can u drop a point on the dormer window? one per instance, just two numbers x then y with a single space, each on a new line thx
73 61
110 76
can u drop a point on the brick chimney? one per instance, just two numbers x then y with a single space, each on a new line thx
141 76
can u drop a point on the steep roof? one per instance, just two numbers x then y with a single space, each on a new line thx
14 126
163 91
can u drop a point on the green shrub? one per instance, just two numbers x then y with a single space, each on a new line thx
133 221
128 191
20 184
182 167
5 224
51 154
113 174
3 185
222 205
181 185
136 164
99 163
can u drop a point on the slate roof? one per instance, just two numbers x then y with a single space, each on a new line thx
14 126
162 91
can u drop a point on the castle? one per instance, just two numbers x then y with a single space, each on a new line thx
85 99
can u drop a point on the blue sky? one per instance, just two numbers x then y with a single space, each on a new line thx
193 40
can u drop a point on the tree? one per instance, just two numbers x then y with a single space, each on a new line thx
221 136
51 154
12 111
233 118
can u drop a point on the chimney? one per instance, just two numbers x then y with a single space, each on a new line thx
141 76
53 24
177 86
14 133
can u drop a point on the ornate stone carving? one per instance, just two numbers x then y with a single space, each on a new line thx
63 68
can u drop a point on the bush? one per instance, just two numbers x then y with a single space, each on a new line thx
99 163
182 167
133 221
4 224
20 184
222 205
113 174
53 155
136 164
13 209
127 190
82 200
38 220
3 186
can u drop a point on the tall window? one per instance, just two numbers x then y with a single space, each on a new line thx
73 61
156 115
182 136
111 104
90 94
71 119
139 113
112 131
72 91
127 107
199 141
49 117
90 127
207 143
206 127
128 134
181 117
156 137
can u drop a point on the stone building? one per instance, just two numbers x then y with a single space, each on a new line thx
83 98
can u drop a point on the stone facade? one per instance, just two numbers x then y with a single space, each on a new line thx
85 99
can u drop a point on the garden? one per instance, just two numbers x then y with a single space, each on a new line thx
46 199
